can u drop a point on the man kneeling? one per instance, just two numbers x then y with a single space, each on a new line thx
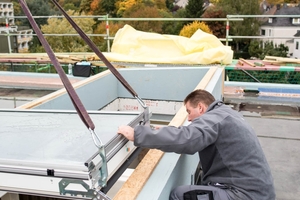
233 163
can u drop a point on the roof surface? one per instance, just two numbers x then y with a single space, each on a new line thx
277 128
284 21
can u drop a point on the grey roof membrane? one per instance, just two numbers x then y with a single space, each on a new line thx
280 140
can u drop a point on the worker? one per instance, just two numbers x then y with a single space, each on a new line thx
233 163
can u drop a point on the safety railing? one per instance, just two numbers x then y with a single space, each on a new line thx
6 31
234 74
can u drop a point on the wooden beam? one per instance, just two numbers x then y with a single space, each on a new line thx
143 171
247 62
280 60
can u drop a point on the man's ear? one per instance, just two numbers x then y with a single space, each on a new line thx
202 107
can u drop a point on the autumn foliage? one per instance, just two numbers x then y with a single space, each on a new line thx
189 29
218 28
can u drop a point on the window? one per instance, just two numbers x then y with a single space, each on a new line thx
270 20
297 45
263 32
296 20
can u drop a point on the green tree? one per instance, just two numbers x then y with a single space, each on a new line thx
70 4
169 4
247 27
62 26
41 8
85 6
35 46
17 8
259 49
167 26
37 8
255 49
109 7
178 25
194 8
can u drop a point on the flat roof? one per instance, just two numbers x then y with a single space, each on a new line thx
276 124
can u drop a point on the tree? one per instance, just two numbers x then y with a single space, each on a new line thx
169 4
274 2
255 49
247 27
37 8
85 6
218 28
261 49
70 4
140 10
62 26
40 8
178 25
190 29
101 29
194 8
161 4
167 26
122 6
109 7
96 8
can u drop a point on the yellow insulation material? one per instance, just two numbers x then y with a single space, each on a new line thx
131 45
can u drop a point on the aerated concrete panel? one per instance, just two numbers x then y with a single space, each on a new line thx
158 84
167 84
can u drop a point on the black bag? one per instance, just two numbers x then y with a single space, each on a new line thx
198 194
82 68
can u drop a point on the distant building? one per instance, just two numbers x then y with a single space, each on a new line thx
296 48
183 3
281 26
13 39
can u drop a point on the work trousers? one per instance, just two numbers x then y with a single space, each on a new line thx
217 193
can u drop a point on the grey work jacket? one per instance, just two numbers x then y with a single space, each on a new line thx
228 147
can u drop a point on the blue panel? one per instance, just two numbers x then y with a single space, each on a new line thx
93 95
280 90
171 84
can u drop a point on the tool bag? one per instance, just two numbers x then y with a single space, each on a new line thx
198 195
82 68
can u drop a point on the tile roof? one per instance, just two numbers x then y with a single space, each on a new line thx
284 21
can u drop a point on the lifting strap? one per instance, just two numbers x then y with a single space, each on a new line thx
103 172
99 54
66 82
69 88
146 120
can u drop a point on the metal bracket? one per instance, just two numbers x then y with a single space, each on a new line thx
94 194
102 175
146 116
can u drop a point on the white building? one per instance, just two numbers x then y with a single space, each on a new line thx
7 25
279 27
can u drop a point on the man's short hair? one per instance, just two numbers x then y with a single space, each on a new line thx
199 96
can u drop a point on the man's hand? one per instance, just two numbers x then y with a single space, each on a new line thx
127 131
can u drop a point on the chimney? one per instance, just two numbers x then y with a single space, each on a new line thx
278 6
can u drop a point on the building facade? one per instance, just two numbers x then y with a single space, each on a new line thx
12 39
280 30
